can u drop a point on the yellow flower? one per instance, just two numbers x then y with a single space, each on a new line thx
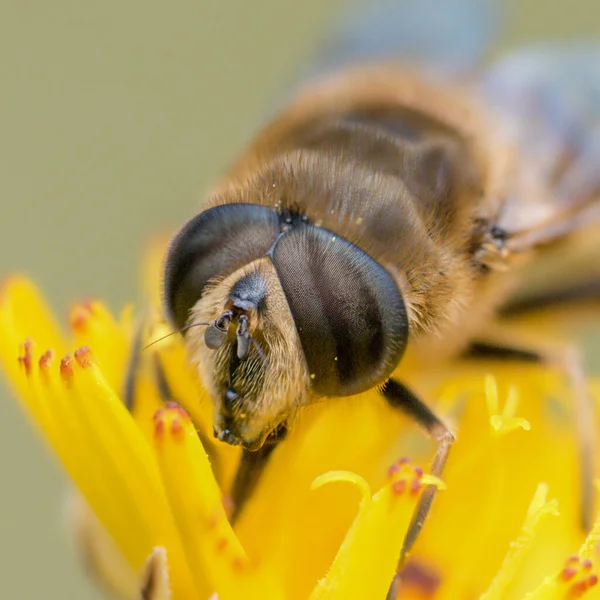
153 513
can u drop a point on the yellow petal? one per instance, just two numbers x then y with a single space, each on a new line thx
475 519
188 392
23 315
538 509
367 559
93 325
106 456
579 574
361 434
577 578
129 464
590 546
22 308
216 557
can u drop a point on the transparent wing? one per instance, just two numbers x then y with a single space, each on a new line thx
550 96
448 34
550 99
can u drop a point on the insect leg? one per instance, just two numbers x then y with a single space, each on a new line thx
251 467
133 365
400 397
586 290
501 352
568 360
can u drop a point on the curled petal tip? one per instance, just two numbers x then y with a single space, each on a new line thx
345 476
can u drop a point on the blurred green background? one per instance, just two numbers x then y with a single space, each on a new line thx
114 116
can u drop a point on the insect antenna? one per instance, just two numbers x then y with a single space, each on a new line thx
160 339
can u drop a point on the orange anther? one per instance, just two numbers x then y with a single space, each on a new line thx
46 359
415 487
80 314
84 357
568 573
159 428
177 429
399 487
66 368
393 469
26 358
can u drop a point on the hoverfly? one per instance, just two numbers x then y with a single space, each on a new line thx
386 208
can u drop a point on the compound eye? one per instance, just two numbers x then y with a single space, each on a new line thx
215 243
347 308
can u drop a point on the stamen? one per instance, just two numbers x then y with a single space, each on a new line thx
80 315
171 418
66 368
577 572
44 364
84 357
406 477
159 429
26 358
176 429
46 360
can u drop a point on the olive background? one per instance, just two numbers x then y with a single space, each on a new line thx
114 117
